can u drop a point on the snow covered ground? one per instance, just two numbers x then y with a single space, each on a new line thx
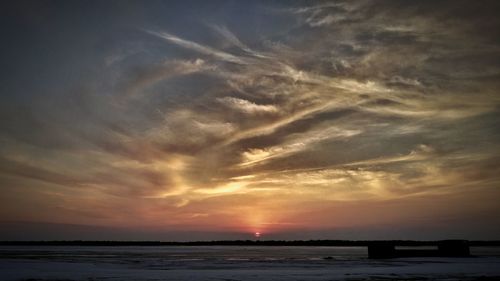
235 263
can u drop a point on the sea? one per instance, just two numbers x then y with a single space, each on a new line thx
232 263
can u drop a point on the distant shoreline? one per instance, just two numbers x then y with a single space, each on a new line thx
334 243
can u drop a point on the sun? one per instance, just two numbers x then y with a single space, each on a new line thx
257 234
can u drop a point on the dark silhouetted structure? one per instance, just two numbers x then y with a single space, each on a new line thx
445 248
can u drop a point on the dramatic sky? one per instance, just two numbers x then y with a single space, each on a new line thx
181 120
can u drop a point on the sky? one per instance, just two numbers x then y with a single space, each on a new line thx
202 120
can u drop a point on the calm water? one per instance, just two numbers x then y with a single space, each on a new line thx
232 263
173 253
255 253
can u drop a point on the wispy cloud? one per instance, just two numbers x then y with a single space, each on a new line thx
198 47
247 106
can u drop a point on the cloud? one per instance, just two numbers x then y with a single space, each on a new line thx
198 47
247 107
296 143
233 39
23 170
150 75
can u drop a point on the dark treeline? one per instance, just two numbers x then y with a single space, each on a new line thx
345 243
